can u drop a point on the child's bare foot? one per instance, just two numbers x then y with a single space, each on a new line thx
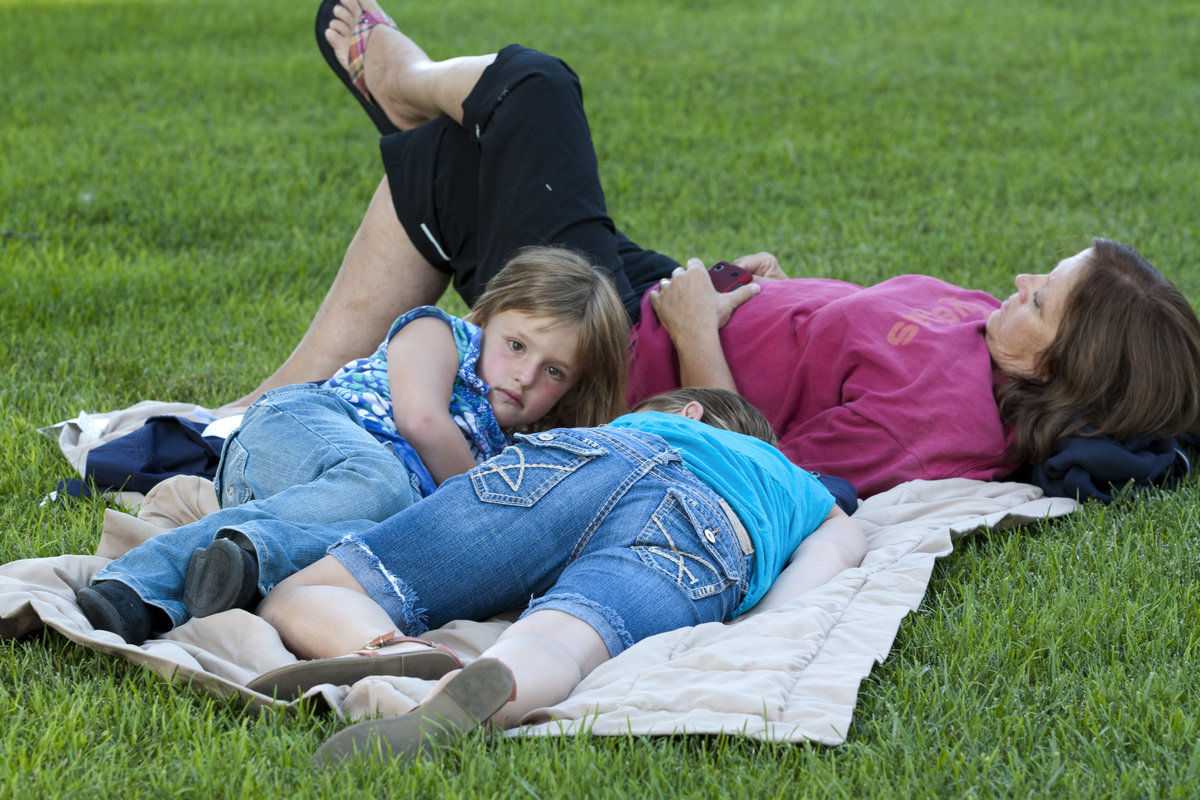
384 64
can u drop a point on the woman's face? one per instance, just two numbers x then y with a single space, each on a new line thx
1025 325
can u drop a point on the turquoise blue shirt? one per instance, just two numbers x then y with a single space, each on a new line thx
778 502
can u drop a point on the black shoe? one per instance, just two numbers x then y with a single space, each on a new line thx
221 576
113 606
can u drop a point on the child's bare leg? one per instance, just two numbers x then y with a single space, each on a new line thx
539 660
382 276
322 611
549 653
409 86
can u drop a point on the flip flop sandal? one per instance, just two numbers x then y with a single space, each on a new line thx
467 701
430 662
354 80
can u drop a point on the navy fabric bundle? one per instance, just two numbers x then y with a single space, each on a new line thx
136 462
1099 467
844 493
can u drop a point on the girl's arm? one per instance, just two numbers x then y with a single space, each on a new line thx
837 544
422 363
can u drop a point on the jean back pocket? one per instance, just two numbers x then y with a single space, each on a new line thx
527 470
701 554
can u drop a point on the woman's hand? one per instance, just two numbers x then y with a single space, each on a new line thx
764 266
692 312
687 304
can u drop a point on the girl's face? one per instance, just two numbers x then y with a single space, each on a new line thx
529 365
1020 330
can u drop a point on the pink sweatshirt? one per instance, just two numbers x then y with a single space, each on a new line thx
877 385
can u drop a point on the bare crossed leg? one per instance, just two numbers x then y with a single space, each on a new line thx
382 274
411 87
323 612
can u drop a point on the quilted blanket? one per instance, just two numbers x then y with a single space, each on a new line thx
789 674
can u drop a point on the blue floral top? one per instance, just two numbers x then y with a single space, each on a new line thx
364 384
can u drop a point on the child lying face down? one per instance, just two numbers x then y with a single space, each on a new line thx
651 523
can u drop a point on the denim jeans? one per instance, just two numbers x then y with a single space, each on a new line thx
297 475
604 524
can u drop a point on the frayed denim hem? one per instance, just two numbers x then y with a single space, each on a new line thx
606 622
393 595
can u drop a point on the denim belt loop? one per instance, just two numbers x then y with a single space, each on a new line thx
668 456
743 536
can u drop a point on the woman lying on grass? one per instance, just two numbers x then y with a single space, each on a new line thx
678 514
910 378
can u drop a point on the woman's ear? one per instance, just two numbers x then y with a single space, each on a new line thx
693 410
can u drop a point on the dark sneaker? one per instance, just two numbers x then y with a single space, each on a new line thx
113 606
222 576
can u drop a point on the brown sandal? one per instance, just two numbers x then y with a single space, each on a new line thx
390 638
430 662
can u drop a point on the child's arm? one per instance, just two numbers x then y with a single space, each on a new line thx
837 544
422 363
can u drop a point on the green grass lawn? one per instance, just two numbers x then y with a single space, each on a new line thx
178 180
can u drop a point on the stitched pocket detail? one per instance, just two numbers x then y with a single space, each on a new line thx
523 474
698 555
230 481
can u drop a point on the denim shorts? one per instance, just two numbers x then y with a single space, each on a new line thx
605 524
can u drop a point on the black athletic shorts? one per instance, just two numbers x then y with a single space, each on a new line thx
521 170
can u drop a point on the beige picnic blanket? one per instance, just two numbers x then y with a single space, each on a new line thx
790 674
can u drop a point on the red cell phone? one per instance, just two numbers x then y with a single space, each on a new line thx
727 276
